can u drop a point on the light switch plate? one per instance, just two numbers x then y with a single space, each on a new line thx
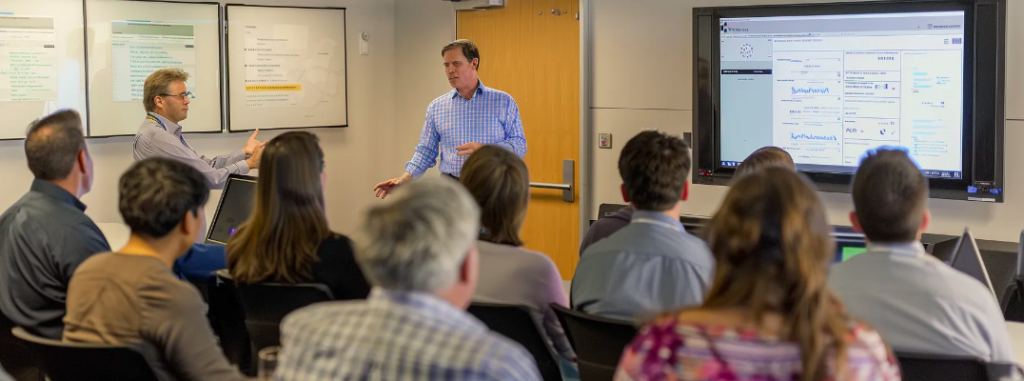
604 140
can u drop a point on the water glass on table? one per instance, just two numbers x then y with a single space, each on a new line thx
267 363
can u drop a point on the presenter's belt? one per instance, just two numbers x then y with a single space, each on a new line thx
451 175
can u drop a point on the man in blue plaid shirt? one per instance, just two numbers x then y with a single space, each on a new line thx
462 120
419 249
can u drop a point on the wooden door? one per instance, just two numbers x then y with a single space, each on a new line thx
533 53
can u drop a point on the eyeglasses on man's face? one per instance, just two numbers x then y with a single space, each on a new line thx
181 97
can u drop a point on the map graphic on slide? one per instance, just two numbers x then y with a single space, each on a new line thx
28 58
138 48
283 68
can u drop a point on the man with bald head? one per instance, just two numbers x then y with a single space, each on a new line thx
45 235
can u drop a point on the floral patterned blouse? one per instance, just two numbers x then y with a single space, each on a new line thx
669 350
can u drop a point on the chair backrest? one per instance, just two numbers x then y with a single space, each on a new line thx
605 210
1013 297
918 367
266 304
17 358
74 361
1002 271
598 341
516 323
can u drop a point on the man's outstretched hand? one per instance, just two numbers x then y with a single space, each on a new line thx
252 143
386 187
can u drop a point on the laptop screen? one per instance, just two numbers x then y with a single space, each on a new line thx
235 205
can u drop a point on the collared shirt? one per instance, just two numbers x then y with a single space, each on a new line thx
651 265
44 236
490 117
159 137
920 304
396 336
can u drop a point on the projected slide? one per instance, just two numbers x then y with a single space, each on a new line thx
834 87
42 59
140 48
287 67
132 39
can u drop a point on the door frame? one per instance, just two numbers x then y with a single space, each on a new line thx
586 174
586 127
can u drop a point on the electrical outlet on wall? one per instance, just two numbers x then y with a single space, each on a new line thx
604 140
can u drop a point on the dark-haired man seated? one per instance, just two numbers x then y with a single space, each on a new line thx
652 264
918 303
132 297
45 235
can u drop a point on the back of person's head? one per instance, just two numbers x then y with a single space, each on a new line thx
161 196
772 246
765 157
53 146
498 180
280 239
890 197
654 167
420 237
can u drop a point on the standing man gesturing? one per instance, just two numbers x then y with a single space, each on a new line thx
462 120
166 100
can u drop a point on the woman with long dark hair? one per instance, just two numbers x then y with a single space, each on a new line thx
286 238
768 314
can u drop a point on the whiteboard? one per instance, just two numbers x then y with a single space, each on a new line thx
286 67
42 62
134 39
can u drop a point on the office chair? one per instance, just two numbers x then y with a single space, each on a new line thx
266 304
516 323
77 361
917 367
17 358
598 341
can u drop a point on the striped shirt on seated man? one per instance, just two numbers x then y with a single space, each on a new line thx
418 248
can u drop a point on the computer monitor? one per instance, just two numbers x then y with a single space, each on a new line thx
967 259
235 205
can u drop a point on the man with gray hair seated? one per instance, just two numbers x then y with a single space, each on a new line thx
418 248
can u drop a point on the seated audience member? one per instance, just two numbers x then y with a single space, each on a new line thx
286 239
45 235
769 314
499 181
765 157
918 303
761 158
418 248
131 297
653 264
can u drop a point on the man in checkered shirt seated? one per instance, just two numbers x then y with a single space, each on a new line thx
418 249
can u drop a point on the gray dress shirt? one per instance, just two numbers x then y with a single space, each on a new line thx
44 236
162 138
649 266
920 304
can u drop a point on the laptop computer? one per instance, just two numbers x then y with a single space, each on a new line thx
967 259
236 202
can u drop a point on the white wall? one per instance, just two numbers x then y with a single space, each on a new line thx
355 156
422 27
642 52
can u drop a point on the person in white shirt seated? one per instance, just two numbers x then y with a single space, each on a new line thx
920 304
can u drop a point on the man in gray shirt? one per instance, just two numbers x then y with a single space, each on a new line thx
45 235
918 303
653 264
166 100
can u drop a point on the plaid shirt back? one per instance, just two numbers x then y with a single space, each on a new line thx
396 336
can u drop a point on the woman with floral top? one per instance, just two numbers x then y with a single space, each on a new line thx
769 315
